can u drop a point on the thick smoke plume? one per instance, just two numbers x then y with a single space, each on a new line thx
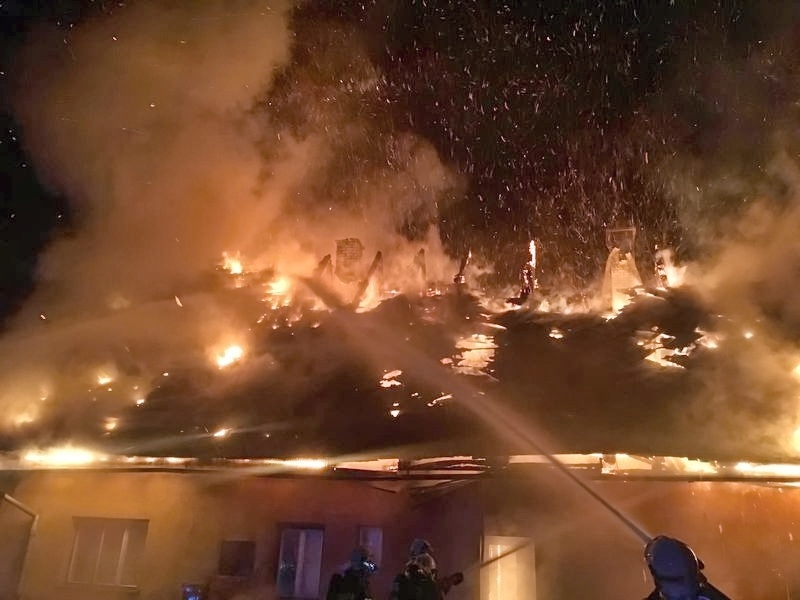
182 132
735 187
151 119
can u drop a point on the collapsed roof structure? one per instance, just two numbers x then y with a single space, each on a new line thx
344 369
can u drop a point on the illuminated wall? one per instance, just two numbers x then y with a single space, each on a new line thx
189 516
747 534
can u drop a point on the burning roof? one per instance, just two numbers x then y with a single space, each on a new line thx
264 141
301 371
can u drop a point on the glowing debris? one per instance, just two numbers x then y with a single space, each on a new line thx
221 433
389 379
110 424
556 333
477 353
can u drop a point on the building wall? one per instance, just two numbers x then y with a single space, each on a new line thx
747 534
191 514
451 520
15 528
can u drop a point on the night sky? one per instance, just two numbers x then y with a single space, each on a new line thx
562 120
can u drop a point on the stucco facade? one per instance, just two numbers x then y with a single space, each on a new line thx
188 517
748 534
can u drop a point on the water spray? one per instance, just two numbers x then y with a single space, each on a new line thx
505 421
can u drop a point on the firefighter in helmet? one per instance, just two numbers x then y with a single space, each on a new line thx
353 583
677 572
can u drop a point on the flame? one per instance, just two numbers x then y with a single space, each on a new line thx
110 424
280 286
230 355
690 465
221 433
66 456
231 264
532 248
104 379
305 463
708 340
780 470
671 275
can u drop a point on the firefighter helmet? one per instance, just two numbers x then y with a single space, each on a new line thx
670 558
420 546
675 568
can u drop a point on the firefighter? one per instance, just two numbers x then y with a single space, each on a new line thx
353 583
420 578
677 572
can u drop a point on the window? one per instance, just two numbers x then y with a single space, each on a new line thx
106 551
236 558
299 562
371 539
512 576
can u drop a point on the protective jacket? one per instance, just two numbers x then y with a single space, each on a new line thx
350 585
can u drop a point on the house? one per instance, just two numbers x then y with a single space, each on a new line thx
520 530
434 418
151 533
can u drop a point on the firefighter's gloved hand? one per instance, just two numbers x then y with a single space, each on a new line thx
447 582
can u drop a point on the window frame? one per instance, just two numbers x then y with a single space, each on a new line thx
105 524
490 574
282 529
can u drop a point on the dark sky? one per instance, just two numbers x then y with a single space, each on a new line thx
562 119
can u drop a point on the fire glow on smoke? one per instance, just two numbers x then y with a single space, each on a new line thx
185 169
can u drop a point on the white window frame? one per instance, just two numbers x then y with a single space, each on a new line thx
512 577
81 525
303 561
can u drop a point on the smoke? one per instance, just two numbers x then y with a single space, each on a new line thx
140 119
161 125
735 185
182 132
